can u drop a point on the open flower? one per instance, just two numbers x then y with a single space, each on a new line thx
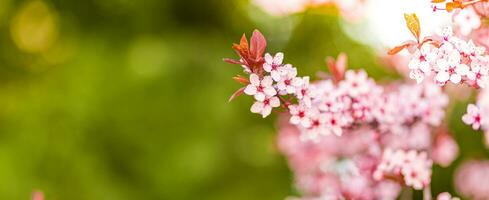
265 107
288 82
473 117
260 88
467 20
273 64
300 115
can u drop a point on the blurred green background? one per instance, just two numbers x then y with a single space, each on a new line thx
124 99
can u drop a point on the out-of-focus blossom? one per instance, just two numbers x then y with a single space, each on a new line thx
445 149
350 9
413 167
466 20
481 36
37 195
446 196
472 179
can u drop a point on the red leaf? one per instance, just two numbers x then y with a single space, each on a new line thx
337 68
258 44
236 94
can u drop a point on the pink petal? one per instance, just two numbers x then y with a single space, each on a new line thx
267 81
260 96
250 90
257 107
268 58
278 59
274 102
270 91
266 111
254 80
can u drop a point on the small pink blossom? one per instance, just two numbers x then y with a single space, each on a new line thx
265 107
300 115
466 20
273 64
288 83
473 117
260 88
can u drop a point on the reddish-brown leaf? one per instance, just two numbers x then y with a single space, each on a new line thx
412 22
397 49
241 80
236 94
337 68
258 44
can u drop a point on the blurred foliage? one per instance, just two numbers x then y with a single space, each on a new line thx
121 99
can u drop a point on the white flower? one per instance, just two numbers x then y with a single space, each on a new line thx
265 107
272 65
260 88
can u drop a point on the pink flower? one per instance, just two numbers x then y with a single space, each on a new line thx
478 73
300 115
260 88
466 20
473 117
356 83
423 59
265 107
304 92
272 65
334 123
288 82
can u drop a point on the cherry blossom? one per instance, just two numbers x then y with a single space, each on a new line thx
265 107
288 82
472 117
466 20
260 88
273 64
300 115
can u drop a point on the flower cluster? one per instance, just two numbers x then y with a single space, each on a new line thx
382 138
452 60
413 167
